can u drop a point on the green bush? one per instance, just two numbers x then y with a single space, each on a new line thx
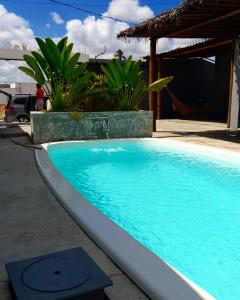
125 85
56 68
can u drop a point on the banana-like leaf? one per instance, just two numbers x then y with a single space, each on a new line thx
125 83
160 84
47 54
62 44
68 82
31 61
65 55
69 70
128 64
55 53
108 75
28 72
42 63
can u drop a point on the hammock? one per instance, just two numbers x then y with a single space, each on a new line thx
190 111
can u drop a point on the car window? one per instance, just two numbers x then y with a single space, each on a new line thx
20 100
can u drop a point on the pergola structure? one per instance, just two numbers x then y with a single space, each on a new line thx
217 20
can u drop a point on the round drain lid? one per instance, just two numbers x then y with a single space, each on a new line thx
55 274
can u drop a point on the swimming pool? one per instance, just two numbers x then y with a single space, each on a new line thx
183 205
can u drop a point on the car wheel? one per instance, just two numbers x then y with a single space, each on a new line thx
23 118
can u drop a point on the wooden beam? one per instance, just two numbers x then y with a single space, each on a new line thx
152 60
235 88
230 84
219 18
159 93
181 52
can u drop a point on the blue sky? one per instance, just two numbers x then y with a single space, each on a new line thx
22 20
37 12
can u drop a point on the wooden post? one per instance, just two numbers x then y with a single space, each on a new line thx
152 59
233 118
151 69
230 84
159 93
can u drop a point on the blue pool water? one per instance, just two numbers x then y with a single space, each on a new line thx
185 208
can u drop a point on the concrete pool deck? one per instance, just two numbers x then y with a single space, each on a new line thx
199 132
33 222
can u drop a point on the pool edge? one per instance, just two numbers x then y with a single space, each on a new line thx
156 278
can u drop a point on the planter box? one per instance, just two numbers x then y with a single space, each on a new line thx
59 126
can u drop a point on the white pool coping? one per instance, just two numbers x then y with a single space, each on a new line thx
155 277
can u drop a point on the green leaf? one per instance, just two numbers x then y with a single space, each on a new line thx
42 63
47 54
65 55
31 61
160 84
55 53
69 71
28 72
62 44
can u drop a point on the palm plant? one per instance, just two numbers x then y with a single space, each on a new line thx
125 85
98 90
120 55
56 68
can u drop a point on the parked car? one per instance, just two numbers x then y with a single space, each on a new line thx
19 107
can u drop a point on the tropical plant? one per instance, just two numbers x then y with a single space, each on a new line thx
56 68
98 90
125 85
120 55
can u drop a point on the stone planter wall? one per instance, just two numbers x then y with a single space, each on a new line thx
60 126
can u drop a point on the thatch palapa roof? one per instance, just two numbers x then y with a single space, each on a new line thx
192 19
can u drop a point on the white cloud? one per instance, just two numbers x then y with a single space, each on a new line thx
48 25
9 72
92 34
14 30
169 44
129 10
57 18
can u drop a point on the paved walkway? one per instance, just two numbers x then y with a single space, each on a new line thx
33 223
200 132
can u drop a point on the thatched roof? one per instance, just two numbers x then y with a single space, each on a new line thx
192 19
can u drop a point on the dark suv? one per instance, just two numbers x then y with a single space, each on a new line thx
19 107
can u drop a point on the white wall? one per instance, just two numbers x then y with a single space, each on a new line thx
17 54
3 99
23 87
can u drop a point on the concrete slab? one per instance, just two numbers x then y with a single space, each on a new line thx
33 223
14 129
201 132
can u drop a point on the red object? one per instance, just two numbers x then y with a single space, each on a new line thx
9 108
39 94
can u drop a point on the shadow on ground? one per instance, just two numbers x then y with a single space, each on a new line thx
223 135
14 129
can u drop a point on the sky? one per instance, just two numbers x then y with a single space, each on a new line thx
21 21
